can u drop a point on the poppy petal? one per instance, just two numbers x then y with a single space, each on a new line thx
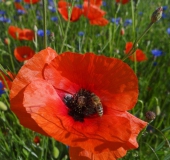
19 6
99 22
94 2
31 70
77 153
26 34
31 1
106 76
122 1
92 12
14 31
99 134
25 118
63 10
140 55
21 34
23 53
128 47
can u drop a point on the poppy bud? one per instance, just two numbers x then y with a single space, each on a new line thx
55 152
7 41
122 31
35 28
3 107
158 110
156 15
150 115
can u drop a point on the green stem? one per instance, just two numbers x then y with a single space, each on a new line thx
45 23
134 34
11 59
67 27
135 45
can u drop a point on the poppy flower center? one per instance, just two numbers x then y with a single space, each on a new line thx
25 56
83 104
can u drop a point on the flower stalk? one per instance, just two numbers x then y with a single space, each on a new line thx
154 18
45 23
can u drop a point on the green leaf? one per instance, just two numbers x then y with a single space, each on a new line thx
160 146
167 157
166 129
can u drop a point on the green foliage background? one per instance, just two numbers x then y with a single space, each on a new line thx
16 142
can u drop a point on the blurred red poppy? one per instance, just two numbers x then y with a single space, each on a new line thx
140 55
5 80
19 6
80 100
122 1
36 139
94 2
21 34
94 14
31 1
63 8
23 53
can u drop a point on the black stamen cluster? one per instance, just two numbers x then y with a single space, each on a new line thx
80 105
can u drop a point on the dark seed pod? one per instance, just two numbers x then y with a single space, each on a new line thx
150 115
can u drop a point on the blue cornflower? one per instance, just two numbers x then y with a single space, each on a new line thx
27 6
116 20
51 8
127 22
1 88
18 1
81 33
2 12
19 11
39 17
51 2
5 20
150 129
104 3
164 15
79 6
140 13
156 52
155 63
40 32
165 8
168 30
54 19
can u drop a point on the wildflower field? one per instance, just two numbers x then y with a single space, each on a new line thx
84 79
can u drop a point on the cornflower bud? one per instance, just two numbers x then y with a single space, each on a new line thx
156 15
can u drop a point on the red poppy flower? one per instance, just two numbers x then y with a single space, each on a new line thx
19 6
94 14
80 100
36 139
140 56
5 80
31 1
122 1
21 34
23 53
94 2
63 7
